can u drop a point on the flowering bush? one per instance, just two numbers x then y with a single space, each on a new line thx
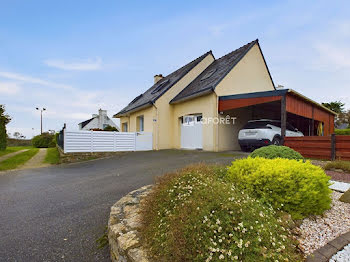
273 151
195 215
299 188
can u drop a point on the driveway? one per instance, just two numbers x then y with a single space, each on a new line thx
57 213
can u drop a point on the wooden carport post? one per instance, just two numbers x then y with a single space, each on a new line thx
283 118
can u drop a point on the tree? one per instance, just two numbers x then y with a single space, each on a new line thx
4 120
343 118
17 135
335 106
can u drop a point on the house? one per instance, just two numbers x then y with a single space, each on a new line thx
98 121
189 107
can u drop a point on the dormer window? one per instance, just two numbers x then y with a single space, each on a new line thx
160 86
135 99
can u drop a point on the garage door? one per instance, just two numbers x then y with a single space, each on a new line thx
191 132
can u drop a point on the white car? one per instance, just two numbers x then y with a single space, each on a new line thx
263 132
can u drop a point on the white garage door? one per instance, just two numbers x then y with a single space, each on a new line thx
191 132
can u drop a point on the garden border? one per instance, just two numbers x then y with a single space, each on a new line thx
123 228
323 254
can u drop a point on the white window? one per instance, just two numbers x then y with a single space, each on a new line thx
188 120
140 123
125 127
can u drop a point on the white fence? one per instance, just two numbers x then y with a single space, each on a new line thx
106 141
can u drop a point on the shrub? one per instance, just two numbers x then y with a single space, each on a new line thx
298 188
273 151
339 164
195 215
344 132
44 140
110 128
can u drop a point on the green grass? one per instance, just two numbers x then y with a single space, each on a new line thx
13 149
52 156
343 165
17 160
343 132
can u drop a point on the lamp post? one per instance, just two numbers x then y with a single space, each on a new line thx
41 118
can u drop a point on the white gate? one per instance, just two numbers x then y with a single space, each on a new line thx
191 132
106 141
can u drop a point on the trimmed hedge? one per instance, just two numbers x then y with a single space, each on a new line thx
273 151
297 187
44 140
344 132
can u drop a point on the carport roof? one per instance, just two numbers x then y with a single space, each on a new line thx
275 93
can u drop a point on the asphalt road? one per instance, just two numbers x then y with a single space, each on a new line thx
57 213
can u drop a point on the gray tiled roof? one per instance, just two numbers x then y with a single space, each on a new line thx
84 123
148 97
219 69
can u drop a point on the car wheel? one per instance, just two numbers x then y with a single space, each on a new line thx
276 141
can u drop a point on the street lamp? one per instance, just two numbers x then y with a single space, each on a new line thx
41 118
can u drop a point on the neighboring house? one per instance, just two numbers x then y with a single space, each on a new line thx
238 85
98 121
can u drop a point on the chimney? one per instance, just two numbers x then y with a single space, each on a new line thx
157 78
102 112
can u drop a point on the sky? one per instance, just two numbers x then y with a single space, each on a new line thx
74 57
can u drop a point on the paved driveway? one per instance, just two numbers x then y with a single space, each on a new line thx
57 213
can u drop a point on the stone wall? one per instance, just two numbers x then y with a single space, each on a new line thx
81 156
123 224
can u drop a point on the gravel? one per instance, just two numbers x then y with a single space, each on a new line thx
338 176
342 255
315 232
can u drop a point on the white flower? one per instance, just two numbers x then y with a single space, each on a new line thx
221 256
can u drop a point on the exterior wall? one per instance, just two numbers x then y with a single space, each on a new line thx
166 124
249 75
302 108
93 124
149 125
228 134
205 105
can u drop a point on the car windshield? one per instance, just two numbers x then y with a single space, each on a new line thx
260 124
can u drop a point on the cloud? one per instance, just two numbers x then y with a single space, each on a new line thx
9 88
32 80
332 56
82 65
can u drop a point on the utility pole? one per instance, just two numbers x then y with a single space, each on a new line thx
41 118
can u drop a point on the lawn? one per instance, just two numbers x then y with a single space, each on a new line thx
52 156
13 149
17 160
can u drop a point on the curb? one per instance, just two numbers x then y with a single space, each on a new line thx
123 228
324 253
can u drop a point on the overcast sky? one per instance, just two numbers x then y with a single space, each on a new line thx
74 57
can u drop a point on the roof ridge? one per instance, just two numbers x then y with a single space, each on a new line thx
147 97
240 48
205 54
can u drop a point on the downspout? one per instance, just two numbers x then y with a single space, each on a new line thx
156 132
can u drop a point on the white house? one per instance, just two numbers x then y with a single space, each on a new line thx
98 121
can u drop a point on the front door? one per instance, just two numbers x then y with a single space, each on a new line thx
191 132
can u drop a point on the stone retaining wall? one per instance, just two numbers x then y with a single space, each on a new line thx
123 224
81 156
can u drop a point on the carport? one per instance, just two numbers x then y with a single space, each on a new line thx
285 105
